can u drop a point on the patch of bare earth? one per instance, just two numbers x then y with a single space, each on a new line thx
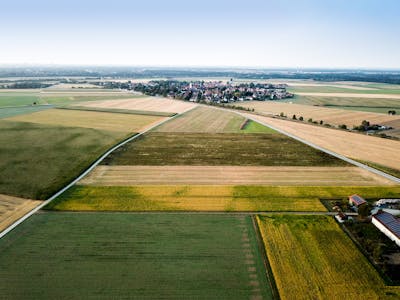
231 175
358 146
13 208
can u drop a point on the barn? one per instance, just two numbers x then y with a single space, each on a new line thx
387 224
356 200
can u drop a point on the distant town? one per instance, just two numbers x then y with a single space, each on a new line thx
208 91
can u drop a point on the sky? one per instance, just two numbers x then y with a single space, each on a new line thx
220 33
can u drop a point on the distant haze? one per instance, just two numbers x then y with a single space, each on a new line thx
251 33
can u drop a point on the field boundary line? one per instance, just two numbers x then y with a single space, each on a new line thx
87 171
248 115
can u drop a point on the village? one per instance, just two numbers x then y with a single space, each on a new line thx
213 91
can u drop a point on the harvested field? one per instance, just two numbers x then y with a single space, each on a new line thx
215 149
228 175
187 198
311 257
131 256
204 119
367 94
38 159
360 147
13 208
126 123
146 103
331 116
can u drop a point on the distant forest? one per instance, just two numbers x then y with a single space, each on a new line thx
380 76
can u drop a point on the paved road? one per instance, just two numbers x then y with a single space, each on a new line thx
247 115
36 209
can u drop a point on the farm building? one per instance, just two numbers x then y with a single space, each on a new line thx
356 200
387 224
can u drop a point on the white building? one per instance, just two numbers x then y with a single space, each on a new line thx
387 224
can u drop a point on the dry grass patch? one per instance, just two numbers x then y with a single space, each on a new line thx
230 175
13 208
144 103
89 119
361 147
312 258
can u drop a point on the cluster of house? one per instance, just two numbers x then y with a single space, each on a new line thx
214 91
384 215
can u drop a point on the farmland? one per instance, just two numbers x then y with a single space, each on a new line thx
362 104
311 257
380 151
204 119
13 208
208 198
327 115
144 103
219 149
37 159
57 97
223 175
125 123
125 256
6 112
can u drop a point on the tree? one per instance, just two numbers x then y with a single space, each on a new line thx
301 119
343 126
294 117
310 120
363 210
321 122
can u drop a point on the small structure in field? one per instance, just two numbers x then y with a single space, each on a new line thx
356 201
387 224
342 217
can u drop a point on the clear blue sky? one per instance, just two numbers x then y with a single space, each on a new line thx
256 33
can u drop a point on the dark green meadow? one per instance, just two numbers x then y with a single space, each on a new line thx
38 160
268 149
132 256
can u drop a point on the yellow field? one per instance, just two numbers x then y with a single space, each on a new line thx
183 198
331 116
362 147
232 175
355 95
144 103
13 208
127 123
205 119
312 258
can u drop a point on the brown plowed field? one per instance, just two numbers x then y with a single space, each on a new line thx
146 104
331 116
13 208
230 175
357 146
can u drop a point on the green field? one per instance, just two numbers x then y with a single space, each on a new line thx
132 256
37 160
188 198
219 149
121 111
11 98
6 112
312 258
254 127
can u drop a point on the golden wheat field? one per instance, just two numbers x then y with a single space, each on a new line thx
88 119
331 116
312 258
357 146
13 208
145 104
